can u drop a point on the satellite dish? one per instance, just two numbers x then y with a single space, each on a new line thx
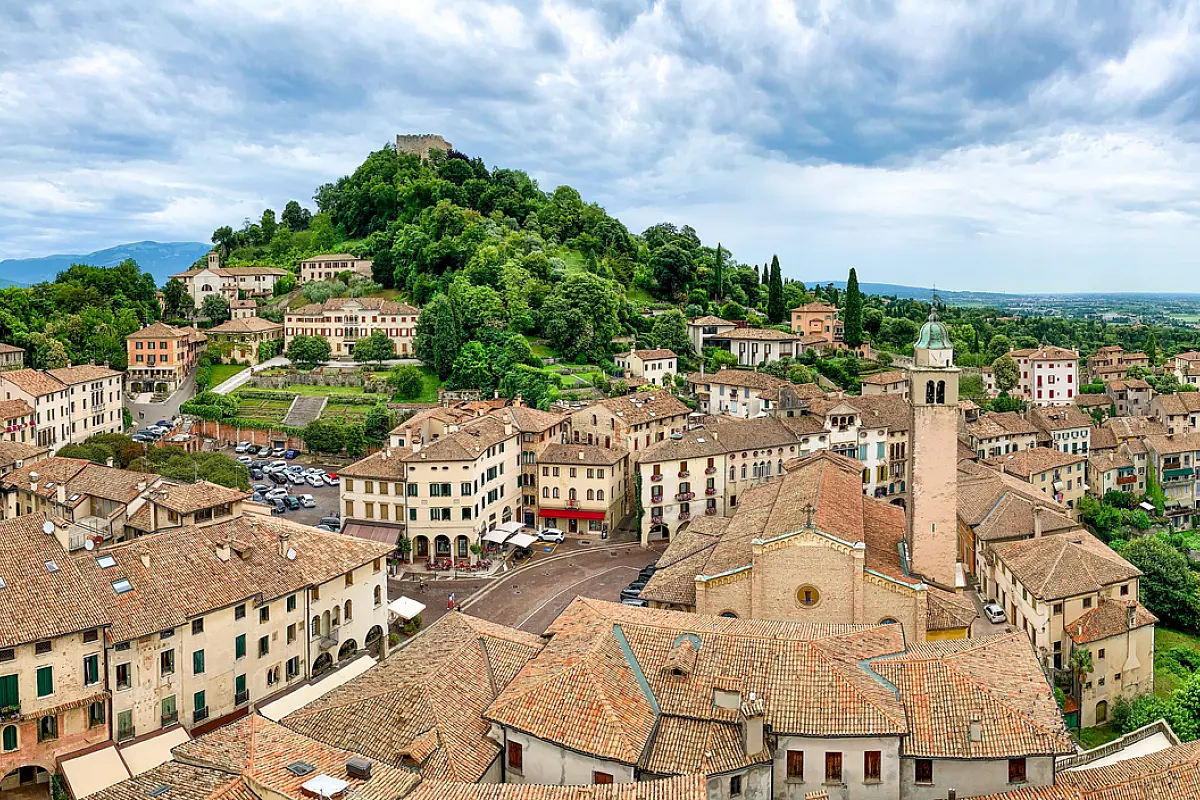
291 554
47 527
88 544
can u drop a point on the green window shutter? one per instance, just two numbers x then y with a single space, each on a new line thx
168 707
10 692
198 662
91 669
45 681
239 684
198 701
239 646
10 737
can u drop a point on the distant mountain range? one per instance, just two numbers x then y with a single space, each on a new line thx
160 259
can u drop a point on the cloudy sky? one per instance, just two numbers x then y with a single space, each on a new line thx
1039 146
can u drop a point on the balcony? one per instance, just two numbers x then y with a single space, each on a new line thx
170 719
572 504
241 698
710 491
656 477
683 473
332 636
710 512
684 515
10 712
685 496
1126 480
710 470
200 714
656 518
656 498
124 734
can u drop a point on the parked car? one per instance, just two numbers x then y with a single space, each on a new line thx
294 469
277 452
994 613
634 589
293 503
278 465
551 535
261 488
256 474
634 601
332 479
314 481
162 423
245 460
290 454
142 438
332 522
647 571
159 430
241 447
308 501
277 477
326 528
278 507
276 494
297 478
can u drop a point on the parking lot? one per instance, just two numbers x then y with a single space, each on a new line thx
326 497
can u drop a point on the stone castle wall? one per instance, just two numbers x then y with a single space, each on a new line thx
421 143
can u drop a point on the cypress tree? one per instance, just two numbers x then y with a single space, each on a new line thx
852 312
775 309
718 287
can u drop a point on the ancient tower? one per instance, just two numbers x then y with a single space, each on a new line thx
933 504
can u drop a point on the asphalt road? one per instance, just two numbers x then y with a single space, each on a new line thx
148 413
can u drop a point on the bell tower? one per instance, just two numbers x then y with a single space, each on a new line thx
933 492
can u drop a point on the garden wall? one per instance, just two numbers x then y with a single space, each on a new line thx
224 432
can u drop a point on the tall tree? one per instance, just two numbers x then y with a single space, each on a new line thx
1152 348
438 336
775 309
1006 372
718 284
268 225
176 300
852 312
295 216
216 308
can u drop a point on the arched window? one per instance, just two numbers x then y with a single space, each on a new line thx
888 621
10 738
941 392
591 494
316 626
554 493
728 615
599 494
336 616
378 595
732 473
781 466
349 610
325 622
545 491
571 494
743 472
593 419
754 471
929 392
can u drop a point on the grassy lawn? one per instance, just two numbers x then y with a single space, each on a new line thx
223 372
540 349
1094 737
1165 680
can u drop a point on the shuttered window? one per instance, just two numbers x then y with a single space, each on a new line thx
10 737
10 693
871 765
45 681
833 767
795 764
516 758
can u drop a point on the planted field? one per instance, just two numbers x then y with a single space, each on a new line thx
270 411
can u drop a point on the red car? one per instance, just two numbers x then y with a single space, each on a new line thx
332 479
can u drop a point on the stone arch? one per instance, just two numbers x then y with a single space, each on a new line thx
348 648
421 546
322 663
441 545
929 392
660 531
374 634
728 615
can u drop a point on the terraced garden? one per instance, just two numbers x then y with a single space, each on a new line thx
273 410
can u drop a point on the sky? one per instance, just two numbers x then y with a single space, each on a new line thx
982 145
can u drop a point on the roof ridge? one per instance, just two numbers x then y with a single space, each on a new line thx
986 690
854 687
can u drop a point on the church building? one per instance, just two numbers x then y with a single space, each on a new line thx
810 546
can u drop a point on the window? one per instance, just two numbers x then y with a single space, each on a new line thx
601 777
8 654
872 760
1016 770
1058 609
1100 653
10 738
924 770
239 646
45 681
199 706
1124 590
91 669
264 646
735 785
47 728
795 765
124 724
198 662
516 758
124 676
293 667
166 662
96 714
833 767
239 612
1087 602
91 636
264 615
273 675
291 601
807 596
349 608
42 647
378 596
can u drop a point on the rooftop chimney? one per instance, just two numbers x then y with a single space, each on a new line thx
284 536
976 730
1037 521
222 551
146 560
1131 615
60 493
33 482
108 462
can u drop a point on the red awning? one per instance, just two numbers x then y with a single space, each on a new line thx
570 513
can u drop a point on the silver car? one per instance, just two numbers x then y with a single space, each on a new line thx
994 613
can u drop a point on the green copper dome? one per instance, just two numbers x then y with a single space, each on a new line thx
934 335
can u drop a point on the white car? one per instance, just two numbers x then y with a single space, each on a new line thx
331 478
296 478
551 535
245 460
314 481
277 466
308 501
994 613
314 471
276 494
241 447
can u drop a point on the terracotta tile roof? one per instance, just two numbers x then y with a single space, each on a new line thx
1000 506
184 781
654 355
1174 443
885 378
1065 565
878 411
710 320
611 676
260 751
63 600
683 787
749 378
1058 418
1033 461
12 452
1102 439
760 334
993 680
14 409
331 257
468 443
379 465
720 435
1134 384
82 373
996 424
585 454
530 420
10 348
1046 352
1134 447
816 308
179 574
1191 355
642 407
683 745
447 415
1110 618
422 707
797 393
1093 400
81 477
32 381
1107 462
377 305
1170 774
246 325
1133 427
186 498
159 330
247 303
946 610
